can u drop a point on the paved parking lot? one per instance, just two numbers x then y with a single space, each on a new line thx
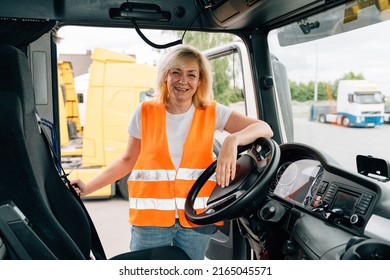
110 217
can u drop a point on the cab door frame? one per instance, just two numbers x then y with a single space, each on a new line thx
229 242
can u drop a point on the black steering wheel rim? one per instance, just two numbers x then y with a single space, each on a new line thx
251 191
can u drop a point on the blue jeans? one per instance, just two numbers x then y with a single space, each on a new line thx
194 241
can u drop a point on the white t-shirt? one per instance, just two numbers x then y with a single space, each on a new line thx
178 126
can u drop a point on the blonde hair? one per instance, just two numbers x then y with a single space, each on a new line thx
204 93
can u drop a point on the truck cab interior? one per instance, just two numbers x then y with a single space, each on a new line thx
290 200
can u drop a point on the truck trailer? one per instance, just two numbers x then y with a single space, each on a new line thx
359 103
117 83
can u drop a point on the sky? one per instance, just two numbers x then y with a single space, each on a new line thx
367 52
77 40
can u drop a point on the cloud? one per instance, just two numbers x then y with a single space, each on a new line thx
364 51
77 40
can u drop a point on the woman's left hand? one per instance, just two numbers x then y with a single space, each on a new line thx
243 130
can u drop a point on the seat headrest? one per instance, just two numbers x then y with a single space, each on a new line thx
15 76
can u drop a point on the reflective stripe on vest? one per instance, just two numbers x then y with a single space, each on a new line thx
156 189
167 175
165 204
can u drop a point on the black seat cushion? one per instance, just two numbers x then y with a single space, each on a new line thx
161 253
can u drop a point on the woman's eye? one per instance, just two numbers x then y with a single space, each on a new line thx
175 73
192 76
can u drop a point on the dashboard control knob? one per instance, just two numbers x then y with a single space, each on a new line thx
354 219
269 212
337 211
335 214
272 211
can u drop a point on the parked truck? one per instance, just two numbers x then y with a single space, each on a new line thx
66 81
359 103
116 85
70 126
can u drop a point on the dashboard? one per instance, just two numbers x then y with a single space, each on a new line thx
318 210
306 182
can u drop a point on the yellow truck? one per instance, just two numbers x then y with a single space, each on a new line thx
116 85
69 95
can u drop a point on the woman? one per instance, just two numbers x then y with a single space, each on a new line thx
170 144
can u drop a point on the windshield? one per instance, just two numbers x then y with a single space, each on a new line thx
368 98
327 57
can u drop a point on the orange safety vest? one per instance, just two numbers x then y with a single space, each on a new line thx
156 189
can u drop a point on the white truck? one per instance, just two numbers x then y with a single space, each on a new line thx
359 103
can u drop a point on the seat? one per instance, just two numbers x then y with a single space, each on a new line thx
31 184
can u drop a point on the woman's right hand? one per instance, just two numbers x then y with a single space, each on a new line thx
79 186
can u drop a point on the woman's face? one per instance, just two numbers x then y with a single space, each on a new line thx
182 81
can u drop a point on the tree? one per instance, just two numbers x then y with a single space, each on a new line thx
352 76
305 92
347 76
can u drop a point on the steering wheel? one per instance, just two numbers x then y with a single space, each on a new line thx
254 170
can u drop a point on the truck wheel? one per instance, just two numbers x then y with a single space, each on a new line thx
122 186
346 121
322 118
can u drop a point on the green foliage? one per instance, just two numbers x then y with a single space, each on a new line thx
203 40
352 76
229 96
305 91
347 76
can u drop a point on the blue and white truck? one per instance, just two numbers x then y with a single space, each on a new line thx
359 103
